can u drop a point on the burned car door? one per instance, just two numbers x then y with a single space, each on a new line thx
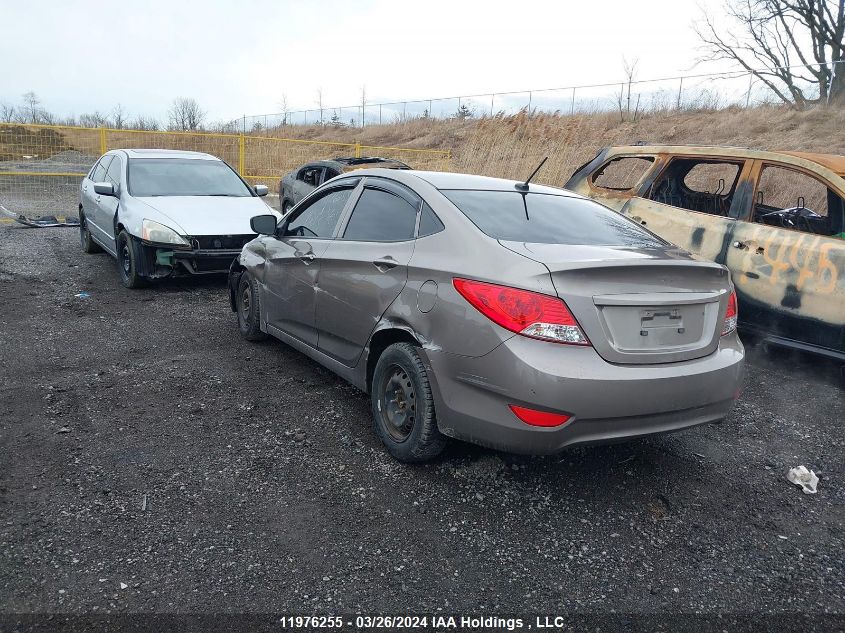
293 262
365 269
787 256
693 202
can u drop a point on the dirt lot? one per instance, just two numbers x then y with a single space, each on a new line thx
153 461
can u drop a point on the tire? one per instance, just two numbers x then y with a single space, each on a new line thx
247 302
403 406
286 206
88 244
128 254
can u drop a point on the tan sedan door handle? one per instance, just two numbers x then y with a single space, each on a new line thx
385 263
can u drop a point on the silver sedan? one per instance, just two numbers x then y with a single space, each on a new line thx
162 213
521 317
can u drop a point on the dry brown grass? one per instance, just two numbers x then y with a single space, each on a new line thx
506 146
512 146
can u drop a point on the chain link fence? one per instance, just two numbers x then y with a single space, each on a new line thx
711 91
41 166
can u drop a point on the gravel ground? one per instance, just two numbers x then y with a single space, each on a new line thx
154 462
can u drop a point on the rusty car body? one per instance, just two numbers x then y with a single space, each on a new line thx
775 219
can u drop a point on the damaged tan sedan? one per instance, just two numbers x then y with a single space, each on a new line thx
775 219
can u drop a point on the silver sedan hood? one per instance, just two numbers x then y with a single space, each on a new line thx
208 215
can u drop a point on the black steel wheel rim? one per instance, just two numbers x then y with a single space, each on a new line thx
125 259
398 403
246 303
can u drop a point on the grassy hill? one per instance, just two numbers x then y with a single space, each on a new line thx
510 146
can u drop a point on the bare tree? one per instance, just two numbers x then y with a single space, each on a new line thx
93 119
185 114
31 107
119 118
788 45
141 122
624 100
283 106
7 112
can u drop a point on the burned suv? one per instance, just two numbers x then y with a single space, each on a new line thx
775 219
297 184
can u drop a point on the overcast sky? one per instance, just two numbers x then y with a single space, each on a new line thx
240 57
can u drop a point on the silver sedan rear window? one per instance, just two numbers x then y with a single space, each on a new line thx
548 219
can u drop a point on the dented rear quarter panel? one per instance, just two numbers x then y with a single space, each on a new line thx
791 284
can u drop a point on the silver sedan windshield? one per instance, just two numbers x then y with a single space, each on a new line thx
184 177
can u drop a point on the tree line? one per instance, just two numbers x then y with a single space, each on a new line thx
184 115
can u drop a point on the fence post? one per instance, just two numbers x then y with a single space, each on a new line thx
680 90
492 97
529 102
357 150
832 80
103 145
241 153
572 107
748 95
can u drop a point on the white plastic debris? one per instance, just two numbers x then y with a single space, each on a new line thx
807 479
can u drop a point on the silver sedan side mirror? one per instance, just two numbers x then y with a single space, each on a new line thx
261 190
104 188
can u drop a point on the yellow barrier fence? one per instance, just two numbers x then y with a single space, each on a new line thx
41 165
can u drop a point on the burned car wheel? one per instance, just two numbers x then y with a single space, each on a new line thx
403 406
127 261
88 244
247 303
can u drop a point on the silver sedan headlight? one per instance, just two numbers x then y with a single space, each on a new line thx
154 232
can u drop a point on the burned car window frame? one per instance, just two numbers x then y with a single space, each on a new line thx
664 163
616 159
835 217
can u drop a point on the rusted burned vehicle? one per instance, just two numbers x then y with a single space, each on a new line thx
775 219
